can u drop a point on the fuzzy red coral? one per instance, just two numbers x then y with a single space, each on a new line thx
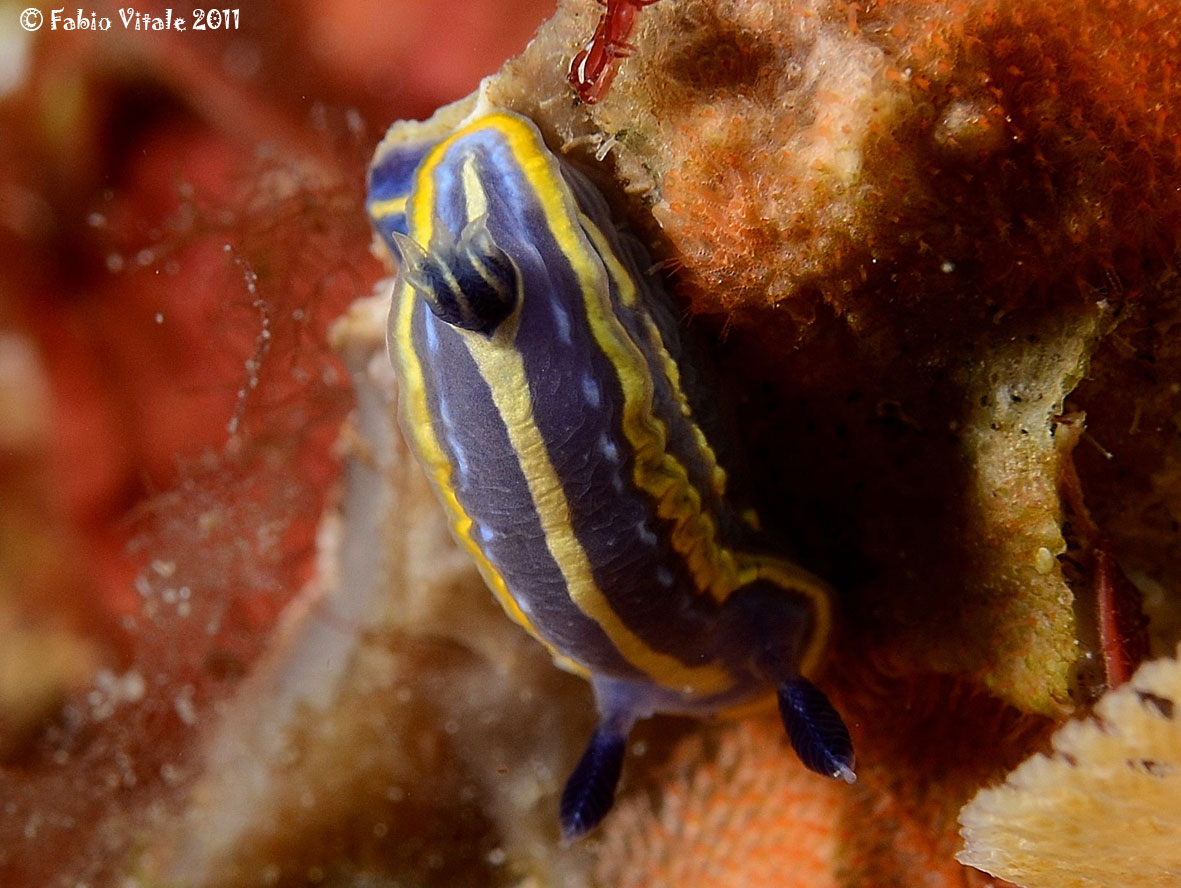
182 218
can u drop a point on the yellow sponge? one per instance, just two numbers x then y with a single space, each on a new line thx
1103 809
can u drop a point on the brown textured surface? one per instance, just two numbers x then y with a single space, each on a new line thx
818 152
916 221
928 231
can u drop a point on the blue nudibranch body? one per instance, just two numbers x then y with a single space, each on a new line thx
544 389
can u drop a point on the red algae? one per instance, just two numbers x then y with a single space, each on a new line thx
223 550
186 219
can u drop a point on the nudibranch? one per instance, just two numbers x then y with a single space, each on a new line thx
545 388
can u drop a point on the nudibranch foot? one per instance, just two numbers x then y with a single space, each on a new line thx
817 733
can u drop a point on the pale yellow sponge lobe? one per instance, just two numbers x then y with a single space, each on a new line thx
1103 809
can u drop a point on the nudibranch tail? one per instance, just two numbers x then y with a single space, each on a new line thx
546 388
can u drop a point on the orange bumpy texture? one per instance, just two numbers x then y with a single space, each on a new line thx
806 152
918 223
931 238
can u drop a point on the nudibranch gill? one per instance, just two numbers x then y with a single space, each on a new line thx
544 388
